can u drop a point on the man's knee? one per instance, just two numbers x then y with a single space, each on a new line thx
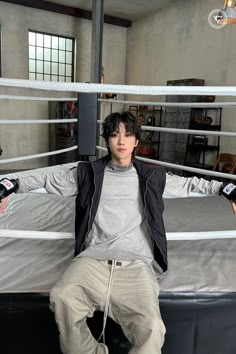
152 326
58 296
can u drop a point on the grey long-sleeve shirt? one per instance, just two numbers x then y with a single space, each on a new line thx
64 182
128 238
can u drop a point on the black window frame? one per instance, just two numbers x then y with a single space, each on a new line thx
43 73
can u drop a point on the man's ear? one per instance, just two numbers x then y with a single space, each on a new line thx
136 143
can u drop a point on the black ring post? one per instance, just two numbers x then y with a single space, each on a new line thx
87 125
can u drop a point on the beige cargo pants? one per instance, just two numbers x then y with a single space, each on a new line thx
127 291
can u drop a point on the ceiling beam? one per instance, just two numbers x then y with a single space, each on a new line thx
70 11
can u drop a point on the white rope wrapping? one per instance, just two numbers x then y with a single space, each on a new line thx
38 121
187 131
34 235
123 89
143 127
22 158
154 104
32 98
207 235
171 236
180 167
183 131
174 104
128 89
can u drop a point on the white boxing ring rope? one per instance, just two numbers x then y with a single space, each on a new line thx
180 167
184 131
187 131
155 104
173 104
171 236
166 164
36 98
124 89
44 154
37 121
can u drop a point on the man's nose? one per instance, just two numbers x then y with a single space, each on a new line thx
121 140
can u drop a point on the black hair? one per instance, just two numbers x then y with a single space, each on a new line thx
112 122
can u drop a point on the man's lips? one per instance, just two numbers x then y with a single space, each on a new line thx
121 150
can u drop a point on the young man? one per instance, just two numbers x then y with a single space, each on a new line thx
117 233
120 249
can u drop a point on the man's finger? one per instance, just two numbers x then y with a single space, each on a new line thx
3 204
234 207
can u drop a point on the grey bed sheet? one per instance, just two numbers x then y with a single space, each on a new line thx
34 265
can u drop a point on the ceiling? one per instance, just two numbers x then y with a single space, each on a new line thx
128 9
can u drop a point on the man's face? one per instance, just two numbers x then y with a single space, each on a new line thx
122 144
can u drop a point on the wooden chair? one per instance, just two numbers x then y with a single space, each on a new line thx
225 163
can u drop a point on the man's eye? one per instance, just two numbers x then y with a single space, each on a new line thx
128 134
113 135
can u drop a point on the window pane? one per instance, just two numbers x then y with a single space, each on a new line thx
47 67
32 38
61 69
50 57
39 52
62 43
68 70
55 55
47 77
69 57
39 41
54 68
40 77
61 56
31 76
47 54
31 52
55 42
47 41
40 66
32 65
69 44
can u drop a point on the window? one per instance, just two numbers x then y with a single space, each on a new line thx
51 58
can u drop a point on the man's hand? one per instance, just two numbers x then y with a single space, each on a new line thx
3 204
228 190
233 203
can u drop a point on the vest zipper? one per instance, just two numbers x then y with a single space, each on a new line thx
144 198
147 215
90 212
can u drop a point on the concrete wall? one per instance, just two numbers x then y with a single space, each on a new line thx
15 22
179 43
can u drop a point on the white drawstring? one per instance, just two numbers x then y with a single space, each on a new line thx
107 300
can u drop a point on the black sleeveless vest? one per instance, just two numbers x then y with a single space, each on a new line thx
151 182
